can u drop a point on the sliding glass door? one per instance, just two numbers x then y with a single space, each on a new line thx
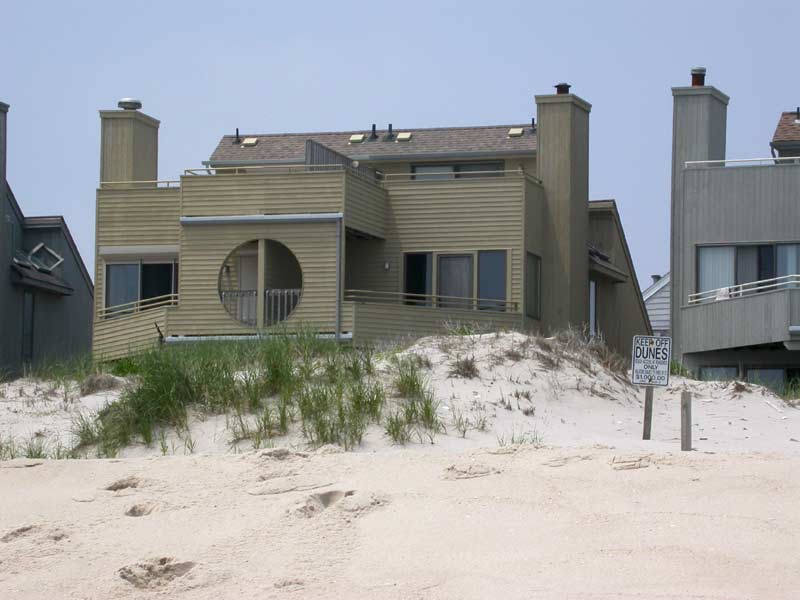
454 277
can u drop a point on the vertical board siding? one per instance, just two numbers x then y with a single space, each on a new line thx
365 206
732 205
115 338
377 323
204 249
262 192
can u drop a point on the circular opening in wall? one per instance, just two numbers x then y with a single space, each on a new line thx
238 283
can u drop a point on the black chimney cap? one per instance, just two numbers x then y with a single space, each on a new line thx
562 88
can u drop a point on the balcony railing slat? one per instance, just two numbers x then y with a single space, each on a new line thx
746 289
433 300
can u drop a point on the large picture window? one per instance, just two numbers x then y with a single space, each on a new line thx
725 266
492 279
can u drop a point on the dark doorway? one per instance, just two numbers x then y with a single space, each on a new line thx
418 278
156 280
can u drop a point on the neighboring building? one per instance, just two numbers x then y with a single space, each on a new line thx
46 292
656 300
362 235
735 248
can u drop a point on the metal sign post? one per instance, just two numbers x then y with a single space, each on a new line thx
650 358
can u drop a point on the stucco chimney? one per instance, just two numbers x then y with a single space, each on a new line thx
128 143
699 123
562 164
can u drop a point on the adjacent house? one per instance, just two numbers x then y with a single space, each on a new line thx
361 235
657 300
735 245
45 290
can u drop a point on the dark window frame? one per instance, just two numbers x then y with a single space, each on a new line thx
736 247
139 263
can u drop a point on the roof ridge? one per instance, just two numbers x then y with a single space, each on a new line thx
366 131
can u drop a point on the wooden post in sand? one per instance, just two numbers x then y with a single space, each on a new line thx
648 412
686 420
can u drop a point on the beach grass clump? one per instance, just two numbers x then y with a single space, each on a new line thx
465 367
417 408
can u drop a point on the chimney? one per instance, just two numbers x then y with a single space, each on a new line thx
3 146
656 278
699 123
128 143
374 134
698 77
562 164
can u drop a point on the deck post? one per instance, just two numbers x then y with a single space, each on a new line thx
262 283
648 412
686 420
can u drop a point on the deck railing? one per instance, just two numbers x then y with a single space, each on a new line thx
278 304
432 300
743 162
129 308
250 169
746 289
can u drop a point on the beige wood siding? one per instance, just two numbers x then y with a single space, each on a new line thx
204 248
133 217
448 217
365 206
262 192
380 322
115 338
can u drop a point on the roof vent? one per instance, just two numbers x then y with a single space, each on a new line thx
797 116
357 138
249 142
129 104
404 136
515 132
374 134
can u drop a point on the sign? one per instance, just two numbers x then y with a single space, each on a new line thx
650 360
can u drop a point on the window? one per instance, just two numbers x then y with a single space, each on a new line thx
44 258
492 279
533 286
459 171
717 373
454 277
754 263
716 267
131 282
771 378
418 269
122 284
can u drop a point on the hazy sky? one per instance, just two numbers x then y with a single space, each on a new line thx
204 69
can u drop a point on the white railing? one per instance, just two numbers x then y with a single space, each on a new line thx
155 183
743 162
250 169
746 289
278 304
448 175
130 308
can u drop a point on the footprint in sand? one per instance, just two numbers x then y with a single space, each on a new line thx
624 463
19 532
469 471
154 573
561 461
316 503
141 509
124 484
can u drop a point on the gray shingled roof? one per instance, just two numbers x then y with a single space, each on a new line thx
492 139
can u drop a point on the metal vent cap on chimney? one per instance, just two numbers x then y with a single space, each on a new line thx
698 76
129 104
562 88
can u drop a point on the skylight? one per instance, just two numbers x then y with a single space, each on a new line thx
249 142
404 136
516 132
356 138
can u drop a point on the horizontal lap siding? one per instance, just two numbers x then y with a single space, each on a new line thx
115 338
375 323
658 309
262 193
204 248
454 216
365 206
134 217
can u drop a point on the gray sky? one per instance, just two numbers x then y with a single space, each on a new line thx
204 69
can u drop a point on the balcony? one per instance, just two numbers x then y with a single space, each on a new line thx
751 314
